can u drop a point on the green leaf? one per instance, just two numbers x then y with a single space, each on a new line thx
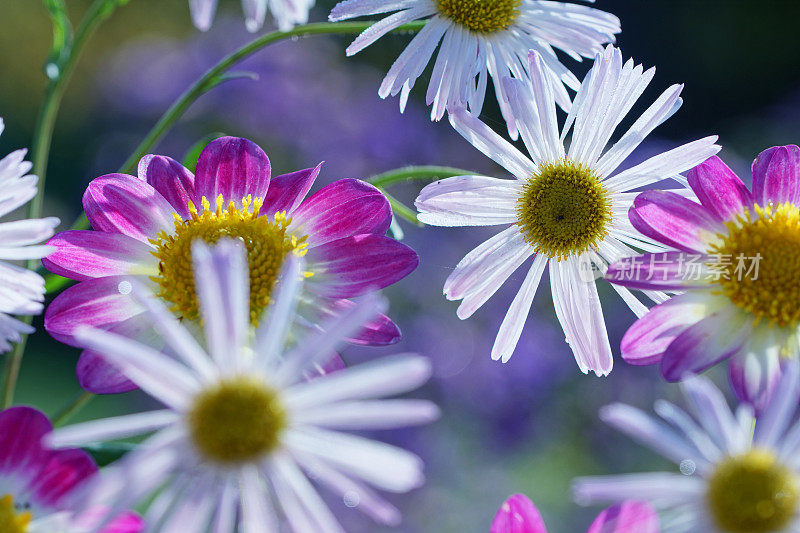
193 154
106 453
62 38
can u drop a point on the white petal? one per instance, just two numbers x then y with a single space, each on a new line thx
468 201
105 429
511 328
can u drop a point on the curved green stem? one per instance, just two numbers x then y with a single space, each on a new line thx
72 409
411 173
40 147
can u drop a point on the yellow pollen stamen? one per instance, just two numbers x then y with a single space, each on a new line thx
772 235
752 493
237 420
265 238
482 16
564 210
11 520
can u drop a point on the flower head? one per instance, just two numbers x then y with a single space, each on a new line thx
481 38
566 207
738 260
241 424
22 291
737 473
519 515
38 485
145 226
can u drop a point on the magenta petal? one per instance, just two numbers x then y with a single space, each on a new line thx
233 167
660 271
776 175
351 266
174 181
673 220
626 517
127 522
21 430
646 340
62 471
345 207
95 302
118 203
380 331
82 255
719 189
97 376
704 344
518 515
287 191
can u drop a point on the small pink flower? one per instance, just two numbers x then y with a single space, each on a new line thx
38 485
518 514
736 262
144 225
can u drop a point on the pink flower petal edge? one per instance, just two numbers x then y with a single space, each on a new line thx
627 517
518 514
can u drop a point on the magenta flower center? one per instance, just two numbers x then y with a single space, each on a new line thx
768 240
266 239
752 493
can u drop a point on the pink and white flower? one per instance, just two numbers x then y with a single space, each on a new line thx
21 291
38 485
566 207
737 473
518 514
479 39
737 264
144 226
242 430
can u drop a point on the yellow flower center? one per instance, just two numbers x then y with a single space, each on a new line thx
11 520
753 493
265 238
759 263
563 210
237 420
482 16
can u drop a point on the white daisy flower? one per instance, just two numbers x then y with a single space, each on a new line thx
481 38
242 430
567 208
287 13
21 290
738 474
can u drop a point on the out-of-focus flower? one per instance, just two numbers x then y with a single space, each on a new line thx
21 291
738 473
37 485
287 13
518 514
566 208
241 425
481 38
144 226
738 261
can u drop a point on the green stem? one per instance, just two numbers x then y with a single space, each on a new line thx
209 80
401 210
72 409
42 140
424 172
